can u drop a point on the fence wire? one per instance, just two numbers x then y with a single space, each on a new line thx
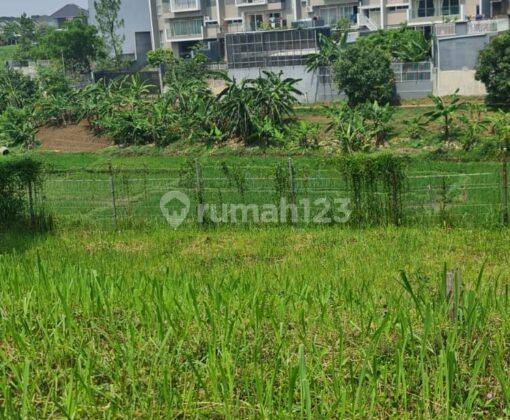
473 198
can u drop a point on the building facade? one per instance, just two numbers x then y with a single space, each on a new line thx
181 24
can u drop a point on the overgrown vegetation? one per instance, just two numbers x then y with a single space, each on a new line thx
493 69
19 178
376 184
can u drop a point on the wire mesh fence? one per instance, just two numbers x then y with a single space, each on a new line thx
266 193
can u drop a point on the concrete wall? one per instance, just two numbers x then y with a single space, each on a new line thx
447 82
316 91
459 52
456 59
313 91
136 17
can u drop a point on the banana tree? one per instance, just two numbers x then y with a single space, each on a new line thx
445 111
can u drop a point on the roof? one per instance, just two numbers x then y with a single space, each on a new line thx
69 11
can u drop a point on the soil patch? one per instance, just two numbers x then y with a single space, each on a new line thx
73 138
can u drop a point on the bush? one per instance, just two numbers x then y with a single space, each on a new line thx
359 129
16 89
246 109
18 127
52 81
15 177
376 184
403 44
364 74
493 69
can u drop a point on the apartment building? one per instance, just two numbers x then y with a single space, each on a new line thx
180 24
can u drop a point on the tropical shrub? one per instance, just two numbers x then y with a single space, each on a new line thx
16 89
359 129
364 74
474 125
303 133
52 80
493 69
377 118
246 109
18 127
329 51
402 44
446 111
349 128
59 109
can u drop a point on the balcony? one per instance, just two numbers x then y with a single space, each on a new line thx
488 26
242 3
184 30
437 14
444 29
370 4
178 6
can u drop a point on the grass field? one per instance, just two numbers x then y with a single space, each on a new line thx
6 53
259 323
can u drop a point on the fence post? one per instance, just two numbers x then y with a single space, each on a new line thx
453 290
112 190
504 184
292 186
200 193
31 203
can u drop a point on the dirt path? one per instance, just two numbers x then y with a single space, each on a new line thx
73 138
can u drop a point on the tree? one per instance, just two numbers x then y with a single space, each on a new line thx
78 45
493 69
108 21
10 33
364 74
27 37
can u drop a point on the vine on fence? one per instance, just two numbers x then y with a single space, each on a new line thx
235 178
376 184
20 181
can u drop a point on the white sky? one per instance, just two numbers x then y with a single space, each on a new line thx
35 7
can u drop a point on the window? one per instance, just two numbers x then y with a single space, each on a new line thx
450 7
426 8
184 27
331 15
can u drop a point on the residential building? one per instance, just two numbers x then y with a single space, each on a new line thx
67 13
181 24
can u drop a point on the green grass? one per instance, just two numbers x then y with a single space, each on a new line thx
6 53
254 323
79 189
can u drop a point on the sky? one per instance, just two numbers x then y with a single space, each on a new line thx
35 7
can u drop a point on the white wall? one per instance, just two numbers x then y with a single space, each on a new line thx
136 17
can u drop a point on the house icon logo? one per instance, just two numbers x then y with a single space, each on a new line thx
175 199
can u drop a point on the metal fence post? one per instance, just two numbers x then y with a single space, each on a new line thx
504 185
31 202
112 190
199 192
292 186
